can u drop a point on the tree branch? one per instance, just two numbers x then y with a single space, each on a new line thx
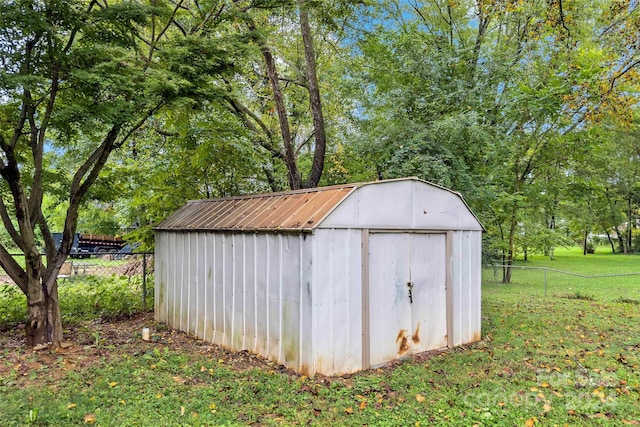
154 40
8 225
622 72
13 269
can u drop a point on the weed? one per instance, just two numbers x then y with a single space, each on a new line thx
581 296
628 301
106 298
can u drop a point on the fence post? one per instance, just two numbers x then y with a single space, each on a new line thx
144 281
545 281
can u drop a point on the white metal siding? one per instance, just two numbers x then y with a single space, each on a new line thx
337 301
241 291
297 298
406 318
402 205
466 293
161 278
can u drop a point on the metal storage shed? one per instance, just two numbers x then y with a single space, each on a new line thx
328 280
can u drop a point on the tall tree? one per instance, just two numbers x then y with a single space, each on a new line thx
281 97
524 77
83 78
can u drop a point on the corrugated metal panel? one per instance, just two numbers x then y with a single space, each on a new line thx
407 290
295 210
241 291
466 283
337 301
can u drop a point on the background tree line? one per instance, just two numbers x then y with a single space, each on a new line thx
113 114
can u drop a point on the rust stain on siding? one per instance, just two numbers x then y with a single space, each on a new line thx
416 335
304 370
403 340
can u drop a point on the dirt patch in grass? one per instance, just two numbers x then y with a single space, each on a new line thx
94 342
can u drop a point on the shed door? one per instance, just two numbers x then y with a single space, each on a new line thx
407 294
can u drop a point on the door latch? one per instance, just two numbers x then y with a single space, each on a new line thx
410 286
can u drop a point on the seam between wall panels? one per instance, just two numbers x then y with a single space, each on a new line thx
177 272
365 333
196 283
347 260
214 288
280 308
244 291
206 285
189 286
267 283
255 292
181 292
300 291
233 290
314 309
224 289
450 288
332 299
193 283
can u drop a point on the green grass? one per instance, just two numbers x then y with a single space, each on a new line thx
529 276
549 360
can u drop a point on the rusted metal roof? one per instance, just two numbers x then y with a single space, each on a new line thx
294 210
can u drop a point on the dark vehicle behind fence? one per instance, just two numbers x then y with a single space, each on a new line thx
85 245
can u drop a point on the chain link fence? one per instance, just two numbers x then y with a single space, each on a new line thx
136 268
545 282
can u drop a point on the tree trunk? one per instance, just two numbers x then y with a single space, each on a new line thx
314 100
44 323
293 175
613 247
506 276
621 241
629 225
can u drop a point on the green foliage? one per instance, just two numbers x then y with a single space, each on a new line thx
13 305
504 102
207 156
83 297
106 298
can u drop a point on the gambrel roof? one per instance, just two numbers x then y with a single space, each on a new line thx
300 210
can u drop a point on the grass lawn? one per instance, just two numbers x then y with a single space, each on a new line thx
571 358
529 276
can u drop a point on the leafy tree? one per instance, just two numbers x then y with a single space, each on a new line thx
82 78
207 153
281 95
488 97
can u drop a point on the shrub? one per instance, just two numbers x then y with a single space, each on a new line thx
13 305
81 297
